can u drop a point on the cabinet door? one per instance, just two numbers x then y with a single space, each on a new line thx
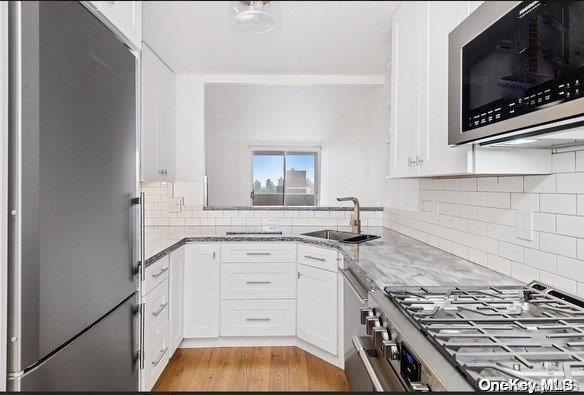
316 307
125 16
177 259
438 158
149 115
405 83
201 291
157 136
165 122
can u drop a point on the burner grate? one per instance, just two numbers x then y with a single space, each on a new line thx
500 333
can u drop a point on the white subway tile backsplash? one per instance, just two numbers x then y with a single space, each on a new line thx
564 162
499 264
544 222
557 244
510 184
499 232
540 184
512 252
541 260
452 184
484 225
523 272
477 256
477 198
469 184
488 214
477 227
571 268
499 199
580 160
560 204
525 201
570 225
487 184
570 183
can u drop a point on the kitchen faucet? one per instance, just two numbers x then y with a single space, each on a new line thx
356 216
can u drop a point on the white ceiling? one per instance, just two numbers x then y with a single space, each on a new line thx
252 113
318 37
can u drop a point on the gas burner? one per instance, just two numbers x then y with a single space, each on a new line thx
501 333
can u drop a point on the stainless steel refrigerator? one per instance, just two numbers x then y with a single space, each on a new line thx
72 249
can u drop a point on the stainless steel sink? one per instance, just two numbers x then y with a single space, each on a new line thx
343 237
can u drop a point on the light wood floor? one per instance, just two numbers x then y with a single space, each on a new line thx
249 369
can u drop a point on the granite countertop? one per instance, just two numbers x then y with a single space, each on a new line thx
394 259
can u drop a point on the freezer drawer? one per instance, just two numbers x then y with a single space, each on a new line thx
87 363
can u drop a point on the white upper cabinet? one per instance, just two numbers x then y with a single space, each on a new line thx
405 80
419 101
124 17
157 135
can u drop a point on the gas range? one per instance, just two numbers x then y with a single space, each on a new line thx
479 338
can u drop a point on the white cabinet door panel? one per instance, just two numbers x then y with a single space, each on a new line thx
201 291
257 317
258 281
177 259
316 307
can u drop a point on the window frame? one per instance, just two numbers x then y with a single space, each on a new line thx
285 151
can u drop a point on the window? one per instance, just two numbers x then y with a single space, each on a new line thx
284 178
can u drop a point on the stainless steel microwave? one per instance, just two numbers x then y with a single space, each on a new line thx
516 69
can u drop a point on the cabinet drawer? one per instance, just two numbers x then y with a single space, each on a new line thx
258 317
155 310
258 252
321 258
156 356
156 273
258 281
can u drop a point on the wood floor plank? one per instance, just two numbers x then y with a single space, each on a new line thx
250 369
298 370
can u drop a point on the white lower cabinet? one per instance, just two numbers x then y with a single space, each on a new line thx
176 282
258 281
156 356
201 291
257 317
316 307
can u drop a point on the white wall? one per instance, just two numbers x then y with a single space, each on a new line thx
190 133
353 159
228 170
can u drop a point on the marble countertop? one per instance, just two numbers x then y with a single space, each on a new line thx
394 259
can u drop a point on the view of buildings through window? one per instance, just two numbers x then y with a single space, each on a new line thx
284 178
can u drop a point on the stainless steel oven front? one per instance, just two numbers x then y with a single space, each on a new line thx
515 70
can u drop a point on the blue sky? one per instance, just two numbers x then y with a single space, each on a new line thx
268 166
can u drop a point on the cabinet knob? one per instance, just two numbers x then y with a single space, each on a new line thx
419 160
163 172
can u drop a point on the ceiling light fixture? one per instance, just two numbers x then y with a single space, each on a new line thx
255 22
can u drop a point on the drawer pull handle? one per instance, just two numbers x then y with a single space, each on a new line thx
258 282
160 273
314 258
259 253
162 307
258 319
162 352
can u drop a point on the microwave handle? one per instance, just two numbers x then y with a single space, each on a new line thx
368 367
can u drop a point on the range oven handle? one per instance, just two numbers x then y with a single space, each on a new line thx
368 367
349 279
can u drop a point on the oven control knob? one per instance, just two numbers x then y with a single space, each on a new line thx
390 349
371 323
379 335
418 386
366 312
